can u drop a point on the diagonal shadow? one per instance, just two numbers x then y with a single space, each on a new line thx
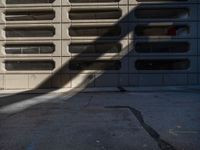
7 100
26 95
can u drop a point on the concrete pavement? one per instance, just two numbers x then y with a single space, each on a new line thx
164 120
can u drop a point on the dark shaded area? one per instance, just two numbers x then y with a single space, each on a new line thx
163 145
160 64
162 47
95 65
161 13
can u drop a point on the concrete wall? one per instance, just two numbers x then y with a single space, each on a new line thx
114 30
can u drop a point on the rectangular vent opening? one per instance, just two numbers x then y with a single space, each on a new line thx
29 48
162 47
29 31
29 65
94 1
161 64
161 0
164 30
162 13
95 31
29 15
28 1
95 65
95 14
94 48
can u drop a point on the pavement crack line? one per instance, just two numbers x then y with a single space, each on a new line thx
162 144
89 102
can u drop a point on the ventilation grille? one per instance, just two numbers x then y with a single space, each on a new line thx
162 47
29 65
121 38
163 32
93 1
29 15
91 48
95 14
30 32
94 65
29 48
162 64
29 1
162 13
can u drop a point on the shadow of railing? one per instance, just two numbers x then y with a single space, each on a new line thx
7 100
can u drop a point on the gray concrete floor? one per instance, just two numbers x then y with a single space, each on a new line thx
101 121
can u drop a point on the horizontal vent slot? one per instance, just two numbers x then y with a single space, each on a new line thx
95 31
160 64
94 1
30 32
29 65
161 0
162 13
95 14
28 1
99 48
29 15
29 48
165 30
95 65
162 47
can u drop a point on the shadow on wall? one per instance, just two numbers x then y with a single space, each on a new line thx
113 64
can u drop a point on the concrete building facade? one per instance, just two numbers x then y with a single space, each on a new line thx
99 43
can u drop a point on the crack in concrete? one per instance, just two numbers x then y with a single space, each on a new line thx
163 145
89 102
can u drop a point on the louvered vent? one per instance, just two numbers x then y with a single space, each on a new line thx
132 43
165 39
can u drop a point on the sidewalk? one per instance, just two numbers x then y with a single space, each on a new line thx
165 120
